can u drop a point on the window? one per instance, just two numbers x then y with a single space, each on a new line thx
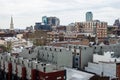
45 48
28 64
52 56
36 66
69 46
14 61
95 47
10 59
41 64
76 59
29 51
48 55
75 50
22 62
74 47
50 49
76 64
38 51
55 49
44 69
60 50
59 78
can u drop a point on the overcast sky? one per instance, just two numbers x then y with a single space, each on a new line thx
27 12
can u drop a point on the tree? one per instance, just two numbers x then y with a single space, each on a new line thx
3 48
9 46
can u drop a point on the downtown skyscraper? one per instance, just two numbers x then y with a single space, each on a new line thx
89 16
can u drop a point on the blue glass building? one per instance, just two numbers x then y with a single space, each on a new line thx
40 26
45 20
53 21
89 16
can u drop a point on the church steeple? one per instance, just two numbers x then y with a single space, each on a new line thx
11 24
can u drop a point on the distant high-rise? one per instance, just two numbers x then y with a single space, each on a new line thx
117 23
45 20
11 24
40 26
89 16
53 21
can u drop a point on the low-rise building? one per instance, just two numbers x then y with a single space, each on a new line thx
52 37
95 27
20 68
106 65
38 37
71 27
81 55
73 74
56 55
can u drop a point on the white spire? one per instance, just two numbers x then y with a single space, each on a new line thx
11 24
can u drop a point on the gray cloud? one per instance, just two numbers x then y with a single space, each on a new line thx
27 12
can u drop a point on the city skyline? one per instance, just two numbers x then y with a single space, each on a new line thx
26 13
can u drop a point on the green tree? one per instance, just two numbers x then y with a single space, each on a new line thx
3 48
9 46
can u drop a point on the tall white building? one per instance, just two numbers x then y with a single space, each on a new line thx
11 24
